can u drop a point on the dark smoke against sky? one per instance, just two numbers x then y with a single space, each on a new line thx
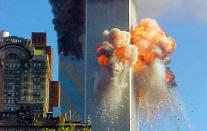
69 23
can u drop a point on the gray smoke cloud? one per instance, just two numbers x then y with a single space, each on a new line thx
69 22
116 55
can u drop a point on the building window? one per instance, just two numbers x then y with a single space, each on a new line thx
25 93
34 64
10 101
36 94
12 87
25 64
17 86
36 79
36 100
36 107
18 65
25 86
36 87
25 78
5 108
13 108
39 64
16 93
5 101
17 100
10 94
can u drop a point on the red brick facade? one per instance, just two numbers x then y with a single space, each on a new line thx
54 98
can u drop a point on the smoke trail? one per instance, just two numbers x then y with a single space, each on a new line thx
69 22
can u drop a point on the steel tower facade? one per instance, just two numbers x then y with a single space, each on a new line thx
77 77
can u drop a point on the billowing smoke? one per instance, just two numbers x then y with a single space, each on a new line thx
146 49
115 55
69 22
151 75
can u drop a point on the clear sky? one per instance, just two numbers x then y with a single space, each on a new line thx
22 17
185 22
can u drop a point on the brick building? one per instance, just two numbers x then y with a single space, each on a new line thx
26 75
54 95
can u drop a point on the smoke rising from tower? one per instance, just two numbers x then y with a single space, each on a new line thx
69 22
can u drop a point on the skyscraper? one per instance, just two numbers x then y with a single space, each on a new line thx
77 75
102 15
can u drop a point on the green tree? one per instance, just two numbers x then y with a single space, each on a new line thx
61 127
47 129
86 129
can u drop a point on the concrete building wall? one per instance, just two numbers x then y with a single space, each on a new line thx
25 74
1 86
39 41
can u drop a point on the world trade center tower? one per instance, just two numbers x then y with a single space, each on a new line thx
79 25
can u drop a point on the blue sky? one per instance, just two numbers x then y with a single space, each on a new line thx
185 22
22 17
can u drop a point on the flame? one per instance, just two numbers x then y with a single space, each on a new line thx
152 43
98 49
171 45
169 76
147 49
121 54
102 60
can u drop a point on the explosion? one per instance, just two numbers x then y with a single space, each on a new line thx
152 43
116 55
151 75
146 49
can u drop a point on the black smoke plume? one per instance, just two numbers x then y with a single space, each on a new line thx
69 23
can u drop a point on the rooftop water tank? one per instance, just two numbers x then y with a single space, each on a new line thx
4 33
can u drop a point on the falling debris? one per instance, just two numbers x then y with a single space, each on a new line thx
146 50
151 75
